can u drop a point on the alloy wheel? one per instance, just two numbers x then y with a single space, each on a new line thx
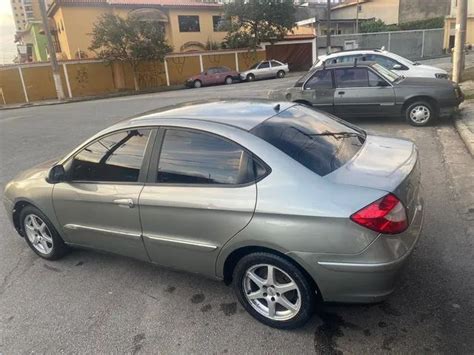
38 234
271 292
420 114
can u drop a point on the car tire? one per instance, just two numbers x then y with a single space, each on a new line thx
284 310
228 80
197 84
281 74
250 77
420 113
40 234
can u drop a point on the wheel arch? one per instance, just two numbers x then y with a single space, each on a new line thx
429 99
20 204
233 258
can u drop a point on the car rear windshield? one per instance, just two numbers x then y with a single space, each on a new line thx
318 141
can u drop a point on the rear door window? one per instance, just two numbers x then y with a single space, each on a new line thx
195 157
313 139
264 65
276 64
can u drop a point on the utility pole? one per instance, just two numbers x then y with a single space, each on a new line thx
328 27
52 53
460 40
357 17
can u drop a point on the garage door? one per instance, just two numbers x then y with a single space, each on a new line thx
298 56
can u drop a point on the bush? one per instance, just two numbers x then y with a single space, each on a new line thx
380 26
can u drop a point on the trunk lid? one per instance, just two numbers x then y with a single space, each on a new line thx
387 164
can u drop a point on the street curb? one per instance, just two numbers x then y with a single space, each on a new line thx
466 135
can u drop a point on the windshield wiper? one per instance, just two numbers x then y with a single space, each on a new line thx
337 134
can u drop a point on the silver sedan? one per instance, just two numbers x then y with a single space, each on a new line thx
287 204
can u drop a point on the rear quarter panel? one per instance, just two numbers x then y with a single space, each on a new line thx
299 211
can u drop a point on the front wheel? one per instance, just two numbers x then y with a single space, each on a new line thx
250 77
197 84
273 290
40 234
281 74
420 113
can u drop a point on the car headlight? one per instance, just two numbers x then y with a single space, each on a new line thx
441 75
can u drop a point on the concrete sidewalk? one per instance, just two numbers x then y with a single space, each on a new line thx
465 123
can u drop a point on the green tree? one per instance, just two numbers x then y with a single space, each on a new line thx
129 40
256 21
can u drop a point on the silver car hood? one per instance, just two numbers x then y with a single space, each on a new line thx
382 163
37 171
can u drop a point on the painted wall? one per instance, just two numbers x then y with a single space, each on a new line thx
386 10
470 7
414 10
92 78
449 30
75 25
205 23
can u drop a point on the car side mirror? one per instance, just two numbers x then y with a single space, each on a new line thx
205 73
56 174
397 67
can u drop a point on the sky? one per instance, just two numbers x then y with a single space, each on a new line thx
7 33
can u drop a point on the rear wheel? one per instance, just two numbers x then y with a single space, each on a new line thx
40 234
228 80
250 77
197 84
420 113
273 290
281 74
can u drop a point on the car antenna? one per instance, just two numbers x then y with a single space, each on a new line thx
277 107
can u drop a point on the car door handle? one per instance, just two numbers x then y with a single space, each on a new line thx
341 92
125 202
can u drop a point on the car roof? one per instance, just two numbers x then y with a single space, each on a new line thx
356 51
347 65
243 114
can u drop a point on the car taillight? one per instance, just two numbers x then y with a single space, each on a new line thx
387 215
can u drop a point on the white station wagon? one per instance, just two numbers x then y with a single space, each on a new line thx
398 64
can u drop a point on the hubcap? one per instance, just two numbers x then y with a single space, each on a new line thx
420 114
38 234
272 292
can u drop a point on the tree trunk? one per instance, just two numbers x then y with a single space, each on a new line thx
135 79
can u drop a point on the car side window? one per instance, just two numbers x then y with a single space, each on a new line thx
211 71
383 61
194 157
264 65
351 77
320 79
375 80
276 64
348 58
115 158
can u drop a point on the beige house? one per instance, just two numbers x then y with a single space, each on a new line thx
389 11
450 25
189 24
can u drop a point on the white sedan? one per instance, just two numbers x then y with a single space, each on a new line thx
398 64
264 70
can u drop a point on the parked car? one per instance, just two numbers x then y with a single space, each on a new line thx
368 89
389 60
286 203
264 70
213 76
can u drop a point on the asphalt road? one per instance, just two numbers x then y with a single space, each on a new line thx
97 303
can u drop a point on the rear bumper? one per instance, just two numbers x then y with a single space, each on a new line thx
353 278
